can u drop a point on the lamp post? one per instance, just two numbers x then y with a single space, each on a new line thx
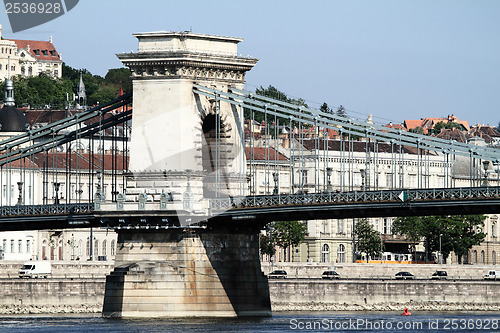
363 174
485 166
329 187
56 189
440 252
20 200
275 178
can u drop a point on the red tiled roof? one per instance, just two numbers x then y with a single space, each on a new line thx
452 134
395 126
41 46
411 124
263 154
81 161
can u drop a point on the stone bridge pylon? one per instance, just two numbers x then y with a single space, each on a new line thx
190 147
181 142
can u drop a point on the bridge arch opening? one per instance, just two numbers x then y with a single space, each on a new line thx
216 152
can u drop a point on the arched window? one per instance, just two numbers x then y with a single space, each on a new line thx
482 257
325 253
80 247
96 249
474 257
60 249
44 249
87 249
104 245
113 247
341 253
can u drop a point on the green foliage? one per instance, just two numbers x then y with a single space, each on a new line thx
325 108
267 245
367 238
341 111
274 93
417 130
289 233
45 91
449 125
282 234
458 233
41 91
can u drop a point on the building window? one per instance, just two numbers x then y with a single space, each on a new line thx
341 253
325 253
340 226
12 247
28 246
80 248
104 245
4 246
386 226
96 249
113 247
482 257
87 248
494 258
20 246
474 257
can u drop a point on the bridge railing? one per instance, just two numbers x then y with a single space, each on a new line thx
402 195
46 209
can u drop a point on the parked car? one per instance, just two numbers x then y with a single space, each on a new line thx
277 274
330 275
405 276
492 275
439 275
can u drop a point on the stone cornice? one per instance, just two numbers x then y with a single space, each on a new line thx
193 66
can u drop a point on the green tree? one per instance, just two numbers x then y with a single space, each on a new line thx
325 108
417 130
449 125
119 76
341 111
289 233
452 233
368 239
267 244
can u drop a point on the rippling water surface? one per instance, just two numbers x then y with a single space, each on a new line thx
280 322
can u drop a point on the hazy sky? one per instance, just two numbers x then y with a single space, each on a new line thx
396 59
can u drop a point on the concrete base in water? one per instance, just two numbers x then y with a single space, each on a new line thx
164 273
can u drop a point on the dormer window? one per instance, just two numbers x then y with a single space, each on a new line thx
22 54
37 52
53 53
44 52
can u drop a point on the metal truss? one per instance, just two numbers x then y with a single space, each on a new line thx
345 125
218 205
36 210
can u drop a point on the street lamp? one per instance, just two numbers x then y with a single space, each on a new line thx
440 252
56 189
363 175
275 178
485 166
20 200
329 187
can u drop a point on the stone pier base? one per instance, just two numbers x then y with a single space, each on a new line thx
176 273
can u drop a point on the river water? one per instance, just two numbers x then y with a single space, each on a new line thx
279 322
